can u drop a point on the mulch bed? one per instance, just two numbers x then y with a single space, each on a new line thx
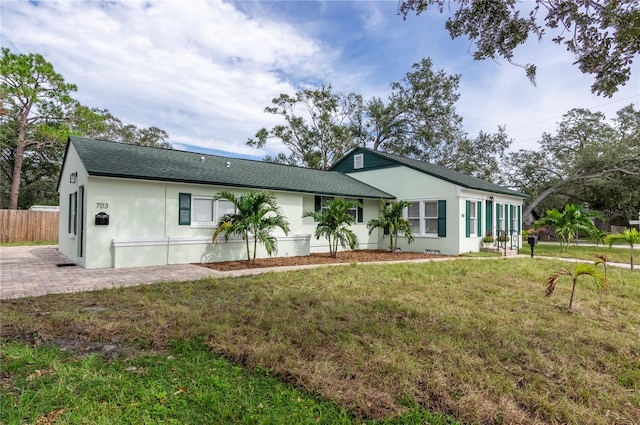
356 256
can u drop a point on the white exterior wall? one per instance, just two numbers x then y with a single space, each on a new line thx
408 184
69 243
144 228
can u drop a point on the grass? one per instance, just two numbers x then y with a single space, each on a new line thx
187 384
472 338
615 254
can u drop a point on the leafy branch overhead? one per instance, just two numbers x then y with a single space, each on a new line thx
603 36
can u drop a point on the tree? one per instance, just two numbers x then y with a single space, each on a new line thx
257 215
580 269
419 120
34 96
318 135
567 223
588 160
333 224
392 222
603 36
630 236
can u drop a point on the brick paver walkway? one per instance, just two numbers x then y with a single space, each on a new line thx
33 271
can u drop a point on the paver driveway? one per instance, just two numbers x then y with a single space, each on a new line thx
32 271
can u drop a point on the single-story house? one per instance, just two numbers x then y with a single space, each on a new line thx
127 205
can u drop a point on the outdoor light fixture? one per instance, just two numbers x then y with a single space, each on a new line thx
72 177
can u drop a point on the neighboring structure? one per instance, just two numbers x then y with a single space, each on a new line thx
451 211
126 205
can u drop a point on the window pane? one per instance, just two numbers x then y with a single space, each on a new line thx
415 225
472 210
414 210
431 209
431 225
225 207
202 210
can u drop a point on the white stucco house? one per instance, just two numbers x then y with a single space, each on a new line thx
126 205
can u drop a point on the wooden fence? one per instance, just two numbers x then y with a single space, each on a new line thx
24 225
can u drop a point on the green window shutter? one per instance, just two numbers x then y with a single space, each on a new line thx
442 219
519 218
479 218
498 218
70 213
318 203
489 217
509 224
360 210
468 219
184 209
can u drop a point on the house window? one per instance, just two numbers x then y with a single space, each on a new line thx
514 219
357 211
427 218
473 218
358 161
413 216
203 211
73 212
431 217
321 202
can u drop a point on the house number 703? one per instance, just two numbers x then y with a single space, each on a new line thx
102 205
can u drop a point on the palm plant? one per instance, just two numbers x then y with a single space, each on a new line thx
602 259
567 223
257 215
581 269
392 222
630 236
333 224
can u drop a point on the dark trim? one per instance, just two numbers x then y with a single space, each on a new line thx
467 219
442 219
184 204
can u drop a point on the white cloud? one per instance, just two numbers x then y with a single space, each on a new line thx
205 70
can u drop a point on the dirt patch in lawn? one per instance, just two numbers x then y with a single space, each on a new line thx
356 256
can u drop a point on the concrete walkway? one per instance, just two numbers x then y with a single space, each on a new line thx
31 271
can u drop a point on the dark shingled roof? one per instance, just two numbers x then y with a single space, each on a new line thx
443 173
110 159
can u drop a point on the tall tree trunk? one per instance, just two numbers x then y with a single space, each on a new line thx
17 166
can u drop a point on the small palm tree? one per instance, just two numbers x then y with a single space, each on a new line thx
602 259
392 222
257 215
630 236
567 223
581 269
333 224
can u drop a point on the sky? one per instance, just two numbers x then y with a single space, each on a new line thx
205 70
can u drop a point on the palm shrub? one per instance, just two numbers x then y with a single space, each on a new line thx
333 224
630 236
392 222
257 215
567 223
581 269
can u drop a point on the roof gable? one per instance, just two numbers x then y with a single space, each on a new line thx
374 160
111 159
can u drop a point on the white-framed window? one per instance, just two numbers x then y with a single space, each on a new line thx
356 211
73 213
202 211
321 202
430 217
473 218
413 216
423 216
514 219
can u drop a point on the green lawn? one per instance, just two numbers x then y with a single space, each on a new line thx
475 338
615 254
